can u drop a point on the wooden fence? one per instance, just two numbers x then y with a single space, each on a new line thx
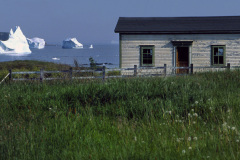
103 72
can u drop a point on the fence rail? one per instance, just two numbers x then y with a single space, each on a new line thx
103 72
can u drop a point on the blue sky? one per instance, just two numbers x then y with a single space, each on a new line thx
94 21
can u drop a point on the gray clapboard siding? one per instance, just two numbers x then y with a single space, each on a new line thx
201 48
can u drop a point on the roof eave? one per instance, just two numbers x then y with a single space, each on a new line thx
178 32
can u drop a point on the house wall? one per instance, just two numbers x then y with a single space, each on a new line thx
201 48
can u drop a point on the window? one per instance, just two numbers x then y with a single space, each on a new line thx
147 55
218 55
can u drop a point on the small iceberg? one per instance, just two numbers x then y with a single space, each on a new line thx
56 59
71 43
91 46
36 43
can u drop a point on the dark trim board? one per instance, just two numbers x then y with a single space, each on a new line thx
182 43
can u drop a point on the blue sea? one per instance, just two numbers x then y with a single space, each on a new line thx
102 54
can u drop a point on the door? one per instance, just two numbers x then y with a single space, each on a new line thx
182 59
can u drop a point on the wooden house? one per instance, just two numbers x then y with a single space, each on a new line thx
179 41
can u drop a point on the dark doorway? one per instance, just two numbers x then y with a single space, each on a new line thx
182 59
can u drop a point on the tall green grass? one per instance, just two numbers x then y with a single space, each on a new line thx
182 117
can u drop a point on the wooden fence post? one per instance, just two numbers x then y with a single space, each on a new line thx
41 75
191 69
165 69
70 73
103 73
10 74
135 71
228 66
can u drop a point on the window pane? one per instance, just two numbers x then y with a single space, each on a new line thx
215 51
147 61
145 50
220 59
215 60
147 56
220 51
150 51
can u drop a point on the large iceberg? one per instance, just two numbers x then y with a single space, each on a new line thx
17 42
71 43
36 43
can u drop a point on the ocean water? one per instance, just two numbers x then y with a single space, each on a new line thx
102 54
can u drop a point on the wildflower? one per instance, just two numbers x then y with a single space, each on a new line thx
233 128
194 122
237 140
195 138
196 102
189 138
189 114
195 114
160 134
192 110
143 142
50 108
183 151
178 140
135 138
189 148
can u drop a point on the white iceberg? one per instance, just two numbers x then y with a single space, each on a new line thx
91 46
17 42
36 42
55 59
71 43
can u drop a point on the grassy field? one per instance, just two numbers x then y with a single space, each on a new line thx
185 117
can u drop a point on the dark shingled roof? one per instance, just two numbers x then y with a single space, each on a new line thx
179 25
4 36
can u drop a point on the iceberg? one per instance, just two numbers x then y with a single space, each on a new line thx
55 59
36 43
17 42
91 46
71 43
